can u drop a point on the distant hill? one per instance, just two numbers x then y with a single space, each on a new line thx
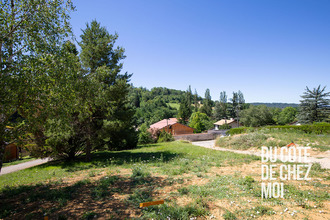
276 104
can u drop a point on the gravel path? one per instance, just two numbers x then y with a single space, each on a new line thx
22 166
323 160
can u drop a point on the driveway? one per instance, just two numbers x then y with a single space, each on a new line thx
323 159
22 166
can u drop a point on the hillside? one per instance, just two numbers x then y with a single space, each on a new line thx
276 104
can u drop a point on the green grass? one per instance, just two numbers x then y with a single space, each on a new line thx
174 105
23 160
172 158
148 171
280 138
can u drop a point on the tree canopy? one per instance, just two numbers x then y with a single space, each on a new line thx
314 107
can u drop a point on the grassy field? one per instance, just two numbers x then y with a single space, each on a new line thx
174 105
275 138
195 182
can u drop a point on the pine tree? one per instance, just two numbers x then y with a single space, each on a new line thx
196 102
223 105
110 121
315 106
185 109
207 104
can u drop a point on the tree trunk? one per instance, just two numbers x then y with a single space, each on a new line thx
88 151
2 152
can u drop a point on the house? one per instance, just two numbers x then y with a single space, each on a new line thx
172 126
11 153
231 122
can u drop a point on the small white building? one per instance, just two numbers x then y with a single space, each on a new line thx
231 122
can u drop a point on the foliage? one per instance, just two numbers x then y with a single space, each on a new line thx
200 122
154 110
256 116
185 109
165 137
229 215
32 33
207 104
315 106
276 104
238 104
317 128
144 135
243 142
287 115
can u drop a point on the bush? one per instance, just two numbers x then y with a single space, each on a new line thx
165 137
317 128
229 216
144 135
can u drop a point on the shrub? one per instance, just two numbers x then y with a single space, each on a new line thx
317 128
144 135
165 137
229 216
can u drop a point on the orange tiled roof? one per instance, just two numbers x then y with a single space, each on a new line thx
163 123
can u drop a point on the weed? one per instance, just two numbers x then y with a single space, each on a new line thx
89 215
183 191
229 215
140 195
175 212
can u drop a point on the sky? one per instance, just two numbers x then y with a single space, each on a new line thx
268 49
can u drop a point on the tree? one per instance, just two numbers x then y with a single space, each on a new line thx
196 101
144 135
217 111
199 121
223 105
185 109
110 121
30 37
287 115
207 104
234 101
315 106
257 116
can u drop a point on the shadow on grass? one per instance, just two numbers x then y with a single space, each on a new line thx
81 199
108 158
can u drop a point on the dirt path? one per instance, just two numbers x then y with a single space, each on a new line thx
22 166
323 159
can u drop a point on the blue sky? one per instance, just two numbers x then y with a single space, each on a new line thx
269 49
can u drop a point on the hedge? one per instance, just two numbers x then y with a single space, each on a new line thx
318 128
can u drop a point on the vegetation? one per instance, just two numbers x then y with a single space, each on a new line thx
270 136
315 106
32 33
317 128
200 121
287 115
195 182
256 116
110 175
185 109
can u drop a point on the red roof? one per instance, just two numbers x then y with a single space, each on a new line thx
163 123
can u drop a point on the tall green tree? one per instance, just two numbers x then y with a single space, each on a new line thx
185 109
207 104
196 101
223 105
199 121
314 107
30 35
110 122
234 102
257 116
287 115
